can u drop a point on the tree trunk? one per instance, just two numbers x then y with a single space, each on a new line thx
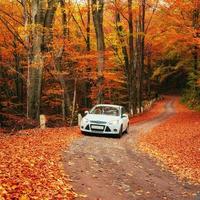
132 98
97 12
149 76
140 49
41 18
120 34
66 105
138 63
58 64
88 48
196 26
88 26
128 58
18 79
36 66
74 102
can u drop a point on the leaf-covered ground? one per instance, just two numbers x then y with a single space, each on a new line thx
31 164
154 111
176 143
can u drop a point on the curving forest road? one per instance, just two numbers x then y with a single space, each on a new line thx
105 168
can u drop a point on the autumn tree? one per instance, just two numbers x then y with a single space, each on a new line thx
140 45
97 13
42 16
54 61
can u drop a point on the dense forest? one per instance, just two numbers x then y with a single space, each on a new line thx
60 57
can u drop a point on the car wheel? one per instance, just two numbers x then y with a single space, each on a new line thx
127 129
120 132
84 133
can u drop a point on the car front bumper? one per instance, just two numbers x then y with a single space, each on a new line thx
106 129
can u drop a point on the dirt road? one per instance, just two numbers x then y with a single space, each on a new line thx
107 168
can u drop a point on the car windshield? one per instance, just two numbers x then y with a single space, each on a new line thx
105 110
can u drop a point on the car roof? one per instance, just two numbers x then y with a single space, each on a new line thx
111 105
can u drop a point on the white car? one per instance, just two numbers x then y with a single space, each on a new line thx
105 119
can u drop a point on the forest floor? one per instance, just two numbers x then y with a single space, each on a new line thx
107 168
31 164
176 143
46 164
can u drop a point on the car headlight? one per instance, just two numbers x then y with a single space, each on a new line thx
85 121
115 122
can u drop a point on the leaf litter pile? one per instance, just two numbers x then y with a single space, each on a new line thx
176 144
31 164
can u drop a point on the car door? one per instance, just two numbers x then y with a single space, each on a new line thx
124 118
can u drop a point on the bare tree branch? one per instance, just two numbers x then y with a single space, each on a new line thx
7 14
12 30
153 12
79 28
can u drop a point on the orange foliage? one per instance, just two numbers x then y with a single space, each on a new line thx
155 110
176 143
31 164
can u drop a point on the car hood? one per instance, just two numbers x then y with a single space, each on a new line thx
104 118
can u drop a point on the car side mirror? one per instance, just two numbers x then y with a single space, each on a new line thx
86 112
124 116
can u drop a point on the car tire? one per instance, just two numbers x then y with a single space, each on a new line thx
120 132
84 133
127 129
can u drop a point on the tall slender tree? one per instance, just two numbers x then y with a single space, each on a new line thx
140 53
128 53
97 13
132 68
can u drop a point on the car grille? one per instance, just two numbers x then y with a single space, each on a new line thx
98 122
